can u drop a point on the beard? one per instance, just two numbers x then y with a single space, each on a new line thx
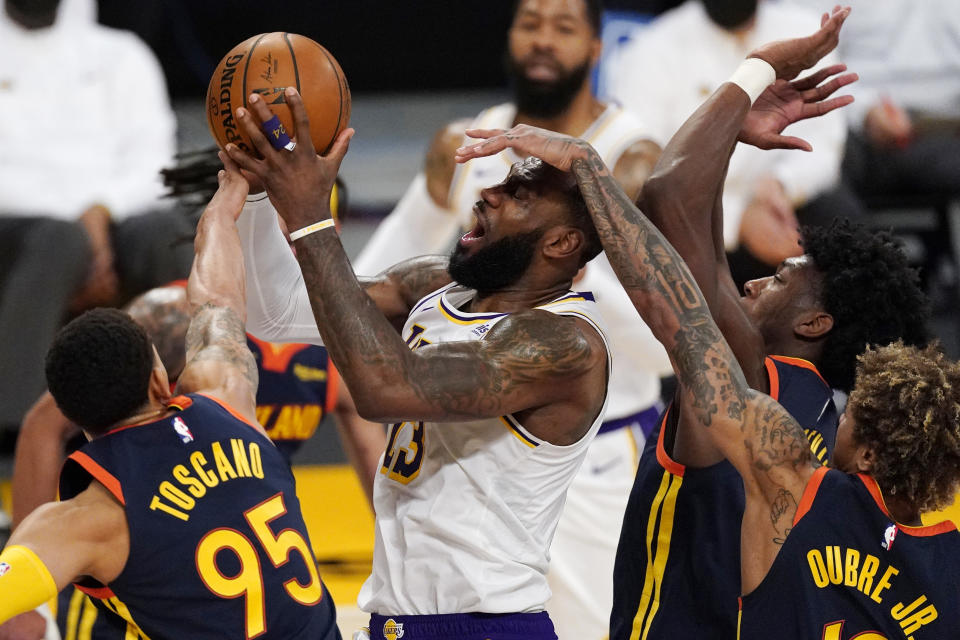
496 266
545 99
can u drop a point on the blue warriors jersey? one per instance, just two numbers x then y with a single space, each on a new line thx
218 546
847 570
677 570
298 386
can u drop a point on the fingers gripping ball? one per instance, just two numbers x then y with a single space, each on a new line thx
267 64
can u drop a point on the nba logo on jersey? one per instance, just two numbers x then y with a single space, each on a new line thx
392 630
888 537
4 568
182 430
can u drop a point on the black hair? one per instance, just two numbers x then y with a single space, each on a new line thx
98 368
870 290
193 180
593 8
581 219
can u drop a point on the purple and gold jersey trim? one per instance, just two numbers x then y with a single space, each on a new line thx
519 432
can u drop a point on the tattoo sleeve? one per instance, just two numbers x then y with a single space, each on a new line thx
752 430
217 334
451 381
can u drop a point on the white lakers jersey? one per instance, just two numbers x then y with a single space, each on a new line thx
639 359
466 511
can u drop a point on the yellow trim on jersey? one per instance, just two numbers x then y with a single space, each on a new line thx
134 632
451 318
73 614
739 618
664 506
88 617
517 434
563 300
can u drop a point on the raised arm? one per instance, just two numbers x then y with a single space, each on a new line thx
683 197
756 434
218 360
518 366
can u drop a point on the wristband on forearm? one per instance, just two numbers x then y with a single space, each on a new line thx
754 75
25 582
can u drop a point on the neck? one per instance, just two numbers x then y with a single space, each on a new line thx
517 298
901 510
793 348
574 120
149 412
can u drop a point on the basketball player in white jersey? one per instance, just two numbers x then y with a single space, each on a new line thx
552 47
495 387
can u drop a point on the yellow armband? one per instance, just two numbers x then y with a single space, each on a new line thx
25 582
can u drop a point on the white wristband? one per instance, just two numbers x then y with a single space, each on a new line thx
753 76
313 228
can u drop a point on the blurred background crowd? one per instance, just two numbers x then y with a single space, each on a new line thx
97 97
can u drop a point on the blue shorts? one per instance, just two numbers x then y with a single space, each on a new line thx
464 626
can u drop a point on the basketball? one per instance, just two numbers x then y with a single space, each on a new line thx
267 64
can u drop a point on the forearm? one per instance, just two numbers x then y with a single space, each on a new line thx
217 278
682 196
278 306
663 291
363 441
40 453
363 344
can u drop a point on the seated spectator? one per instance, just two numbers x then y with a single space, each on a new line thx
905 124
86 126
678 60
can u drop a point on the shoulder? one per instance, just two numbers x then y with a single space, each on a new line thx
635 164
439 165
567 344
419 276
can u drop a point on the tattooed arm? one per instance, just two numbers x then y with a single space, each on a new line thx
218 360
755 433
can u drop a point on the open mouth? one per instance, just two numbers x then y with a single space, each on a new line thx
477 232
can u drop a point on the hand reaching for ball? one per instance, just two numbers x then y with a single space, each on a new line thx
298 182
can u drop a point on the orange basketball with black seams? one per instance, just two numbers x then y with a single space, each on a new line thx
267 64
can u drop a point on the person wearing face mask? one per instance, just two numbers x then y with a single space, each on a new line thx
672 65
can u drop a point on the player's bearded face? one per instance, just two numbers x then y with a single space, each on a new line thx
496 266
545 98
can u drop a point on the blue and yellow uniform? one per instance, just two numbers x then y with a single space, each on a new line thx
218 547
848 571
677 572
298 387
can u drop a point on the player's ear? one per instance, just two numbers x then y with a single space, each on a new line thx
864 458
596 49
813 324
159 386
562 242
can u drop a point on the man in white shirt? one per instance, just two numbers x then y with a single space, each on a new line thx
905 124
86 127
676 62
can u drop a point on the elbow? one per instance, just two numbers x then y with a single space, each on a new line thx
657 188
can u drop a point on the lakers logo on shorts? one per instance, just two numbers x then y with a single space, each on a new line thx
392 630
4 568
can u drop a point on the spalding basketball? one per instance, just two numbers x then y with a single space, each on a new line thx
267 64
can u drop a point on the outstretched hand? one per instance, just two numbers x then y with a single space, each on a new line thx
784 103
553 148
790 57
298 182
